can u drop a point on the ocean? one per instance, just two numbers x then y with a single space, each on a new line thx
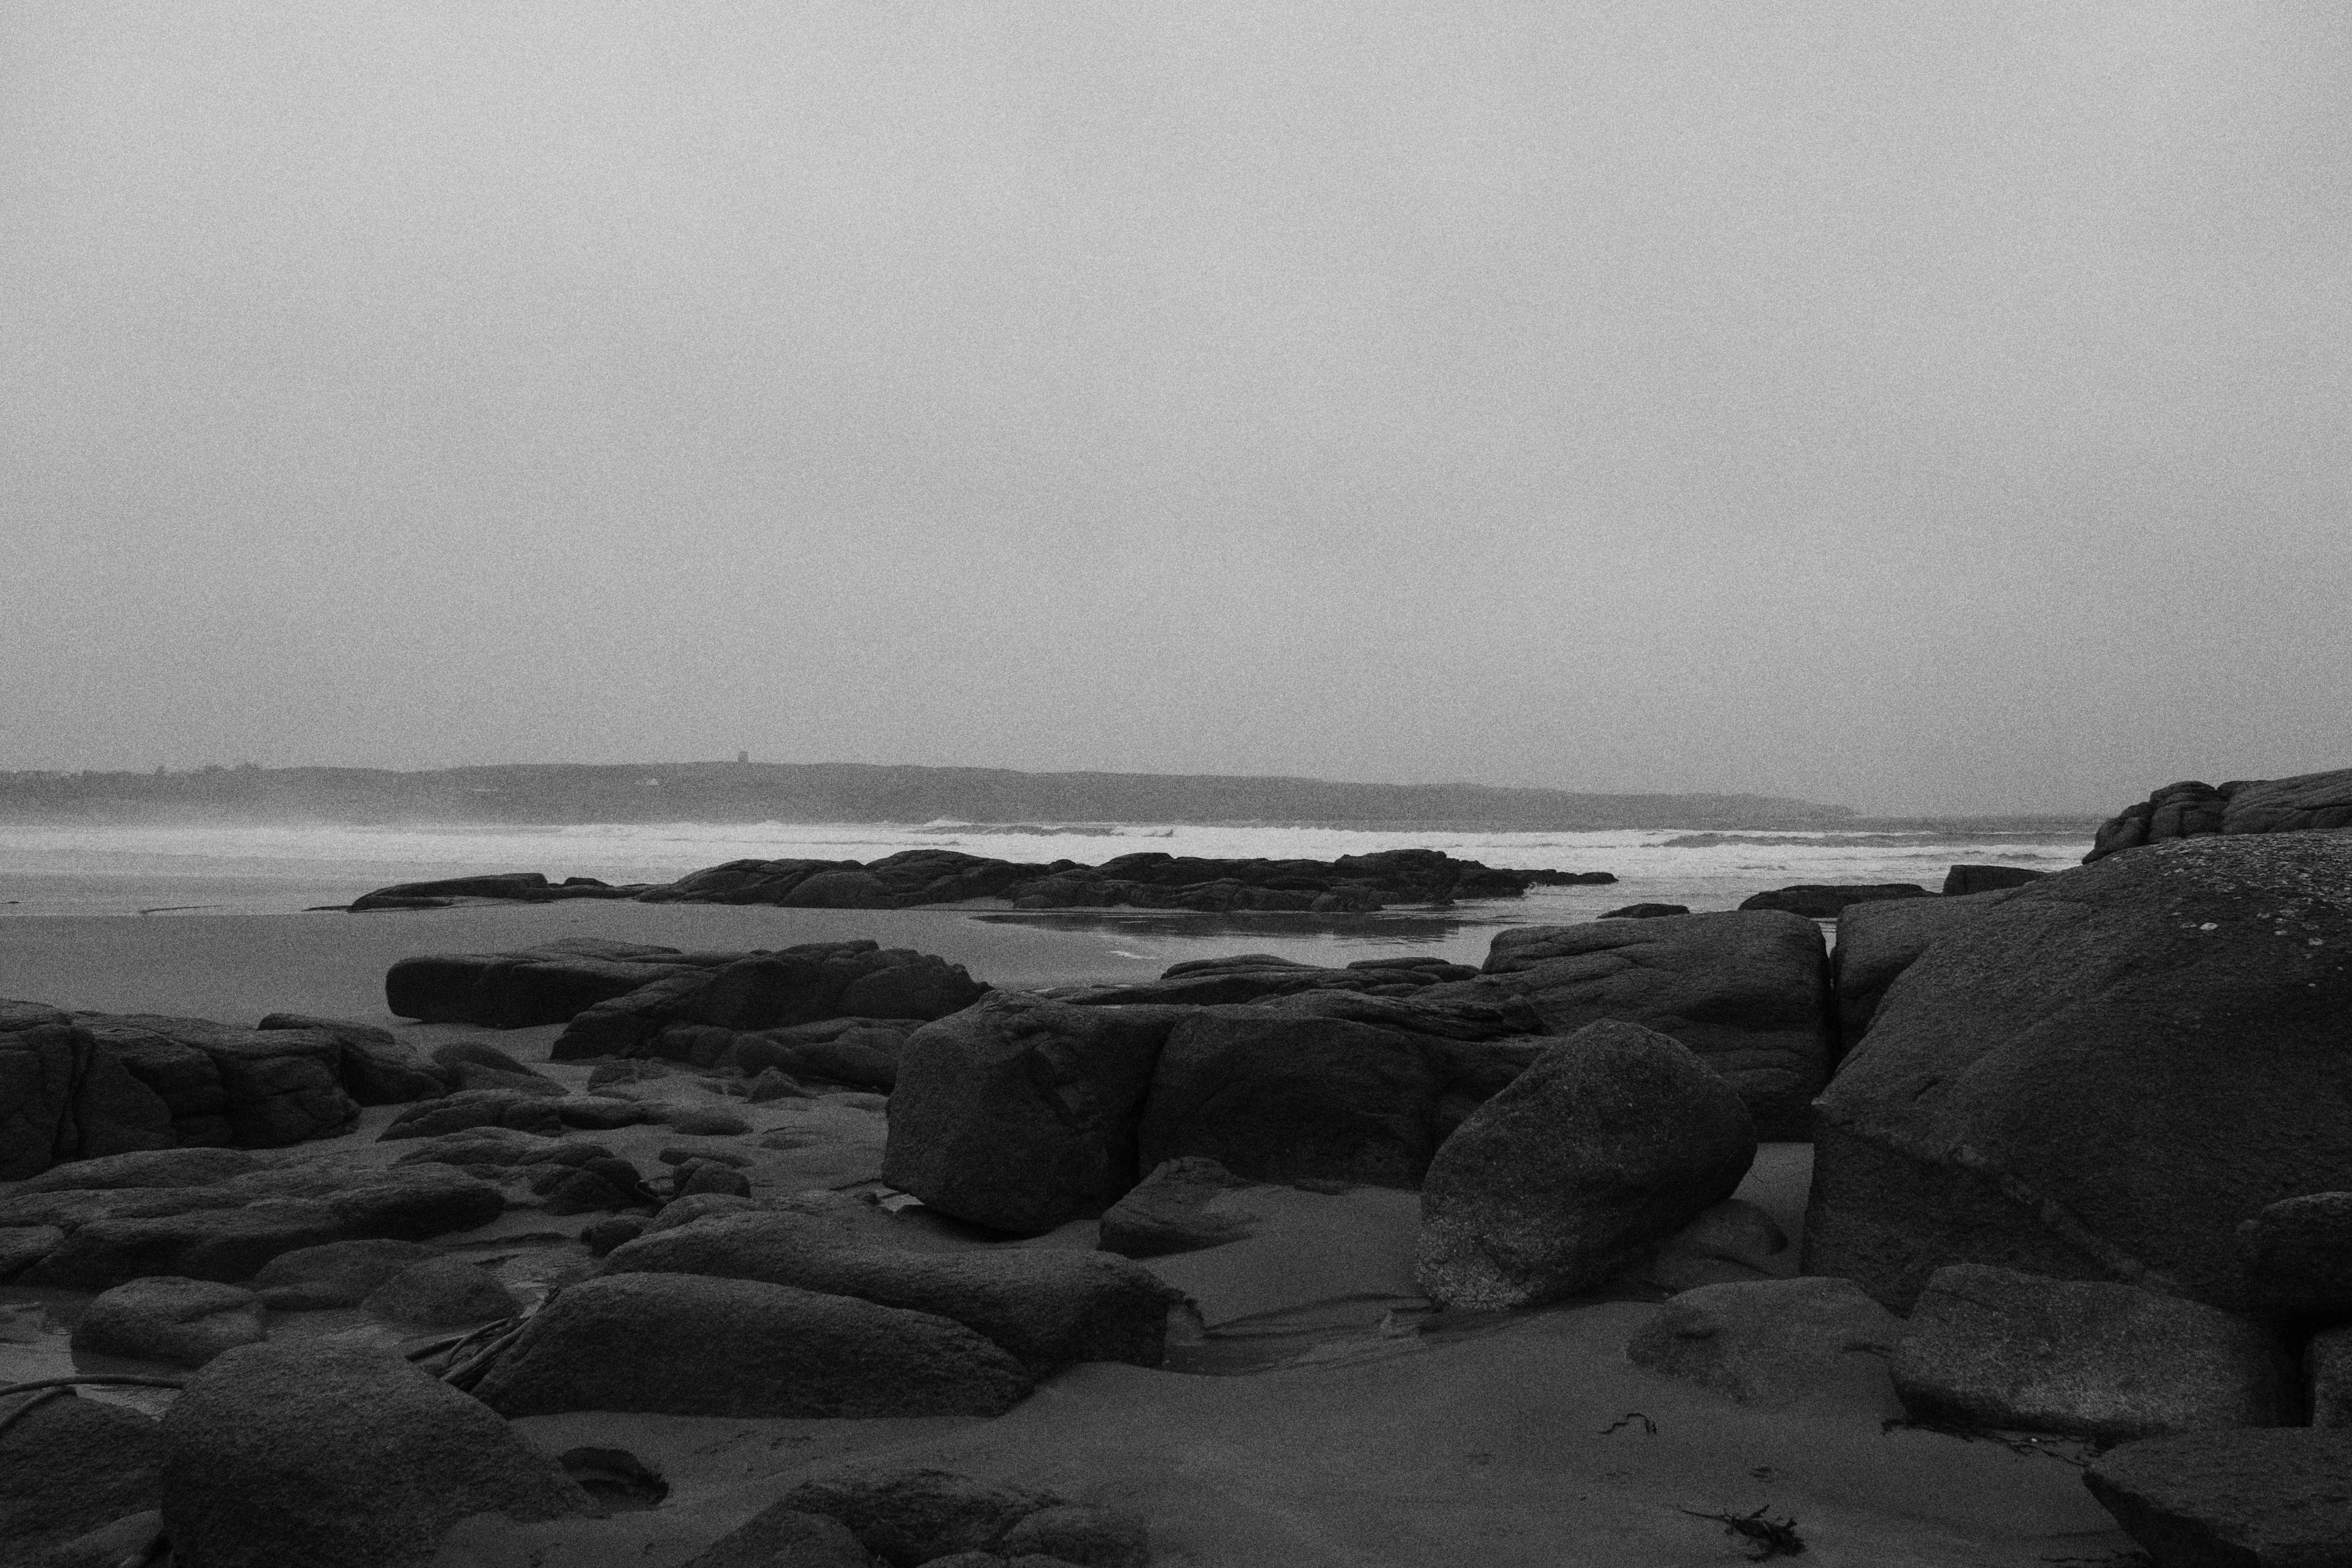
166 871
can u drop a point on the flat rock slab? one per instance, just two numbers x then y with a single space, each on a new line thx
1775 1343
2275 1498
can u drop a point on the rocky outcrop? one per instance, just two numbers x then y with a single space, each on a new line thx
2258 1497
338 1274
226 1230
2303 804
544 984
1048 1308
441 1292
1876 941
702 1016
1748 993
2102 1077
1775 1343
291 1455
1259 976
163 1318
689 1344
1645 912
68 1465
1828 900
1993 1347
62 1098
1962 880
1149 879
1612 1140
2297 1256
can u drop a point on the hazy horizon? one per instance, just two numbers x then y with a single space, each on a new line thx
1928 410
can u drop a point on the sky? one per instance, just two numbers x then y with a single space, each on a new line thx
1922 408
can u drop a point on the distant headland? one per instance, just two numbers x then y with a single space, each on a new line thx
563 793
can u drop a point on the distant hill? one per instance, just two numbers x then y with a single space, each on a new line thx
849 792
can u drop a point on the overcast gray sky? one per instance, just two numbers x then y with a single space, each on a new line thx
1917 407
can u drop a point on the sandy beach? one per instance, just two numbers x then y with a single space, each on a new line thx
1315 1426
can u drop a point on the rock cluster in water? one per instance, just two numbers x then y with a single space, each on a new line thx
1152 879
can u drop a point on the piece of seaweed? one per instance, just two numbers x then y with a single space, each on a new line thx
1768 1536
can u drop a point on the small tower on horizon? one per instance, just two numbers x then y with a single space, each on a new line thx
742 757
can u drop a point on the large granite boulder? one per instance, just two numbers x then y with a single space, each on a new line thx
70 1465
2191 808
1613 1139
544 984
1878 941
767 991
253 1089
288 1456
1050 1308
377 1068
1019 1113
1997 1348
1748 993
1773 1343
2297 1256
689 1344
2275 1498
1962 880
185 1320
2102 1077
63 1098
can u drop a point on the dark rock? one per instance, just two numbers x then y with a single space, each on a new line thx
1257 976
2328 1368
184 1320
1048 1307
1962 880
782 1535
1168 1212
1278 1096
377 1069
600 1183
599 1113
2042 1089
134 1538
338 1274
406 1204
224 1245
697 1206
545 984
1091 1536
773 1083
685 1154
62 1098
1877 941
1827 902
1646 911
314 1453
1617 1137
601 1237
685 1344
1999 1348
22 1246
478 1149
2304 803
844 1050
701 1120
1776 1343
907 1516
441 1292
70 1466
1728 1242
2223 1500
1748 993
146 1168
472 1064
476 1108
2298 1255
707 1176
1020 1114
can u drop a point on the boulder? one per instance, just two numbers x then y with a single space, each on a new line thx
2280 1497
147 1168
441 1293
1168 1212
70 1465
839 1050
324 1452
1645 912
1774 1343
22 1246
1094 1537
1617 1137
1997 1348
2305 802
227 1245
783 1535
1278 1096
915 1516
701 1120
685 1344
338 1274
546 984
257 1088
188 1321
474 1108
376 1068
2298 1255
1256 976
1962 880
1748 993
1020 1114
1728 1243
2327 1371
1050 1308
1879 941
2102 1077
1828 900
135 1538
62 1098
